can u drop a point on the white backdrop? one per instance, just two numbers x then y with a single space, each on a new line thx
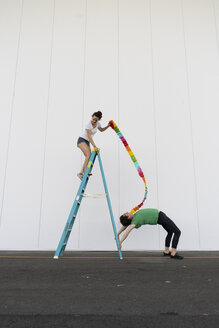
152 67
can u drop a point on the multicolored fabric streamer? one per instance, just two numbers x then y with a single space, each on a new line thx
141 174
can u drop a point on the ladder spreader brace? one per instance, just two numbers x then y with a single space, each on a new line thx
77 202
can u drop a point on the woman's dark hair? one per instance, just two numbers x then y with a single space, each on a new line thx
98 114
125 221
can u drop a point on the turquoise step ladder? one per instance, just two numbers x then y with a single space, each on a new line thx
77 202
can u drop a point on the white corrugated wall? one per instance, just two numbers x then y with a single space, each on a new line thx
150 65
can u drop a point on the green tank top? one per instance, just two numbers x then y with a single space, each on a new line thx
147 216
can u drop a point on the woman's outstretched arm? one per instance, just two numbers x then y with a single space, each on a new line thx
130 227
103 129
121 230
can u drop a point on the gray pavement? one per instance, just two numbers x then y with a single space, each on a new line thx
97 289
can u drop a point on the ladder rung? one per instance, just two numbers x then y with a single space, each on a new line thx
69 230
64 244
79 203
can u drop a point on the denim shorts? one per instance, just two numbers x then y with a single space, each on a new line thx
80 140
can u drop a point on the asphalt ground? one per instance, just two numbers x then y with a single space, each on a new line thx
97 289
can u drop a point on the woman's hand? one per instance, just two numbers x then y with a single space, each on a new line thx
96 149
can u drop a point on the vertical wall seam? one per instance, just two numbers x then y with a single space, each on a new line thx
118 104
190 116
46 123
83 103
12 109
154 113
215 23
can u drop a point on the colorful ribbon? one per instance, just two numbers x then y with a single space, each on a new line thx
134 160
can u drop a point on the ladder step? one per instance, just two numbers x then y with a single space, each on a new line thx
69 230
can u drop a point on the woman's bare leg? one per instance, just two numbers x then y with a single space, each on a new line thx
87 152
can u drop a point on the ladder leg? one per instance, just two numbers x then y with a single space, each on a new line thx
110 207
71 219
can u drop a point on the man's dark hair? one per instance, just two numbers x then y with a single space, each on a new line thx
125 221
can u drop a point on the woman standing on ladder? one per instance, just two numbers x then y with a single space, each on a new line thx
86 138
